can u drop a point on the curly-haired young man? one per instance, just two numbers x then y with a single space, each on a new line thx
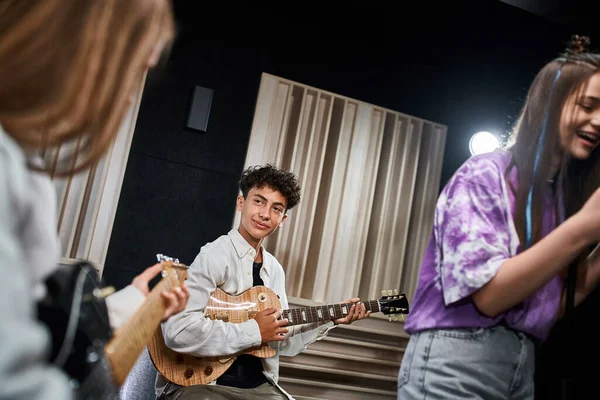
234 263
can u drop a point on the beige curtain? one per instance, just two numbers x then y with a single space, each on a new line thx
370 179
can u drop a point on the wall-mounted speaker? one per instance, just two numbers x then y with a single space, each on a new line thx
200 109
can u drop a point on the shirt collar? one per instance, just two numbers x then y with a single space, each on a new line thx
242 248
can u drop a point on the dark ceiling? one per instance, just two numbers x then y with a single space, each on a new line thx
578 14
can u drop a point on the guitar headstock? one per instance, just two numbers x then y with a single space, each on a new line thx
393 304
170 263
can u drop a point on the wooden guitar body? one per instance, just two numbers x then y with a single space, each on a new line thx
187 370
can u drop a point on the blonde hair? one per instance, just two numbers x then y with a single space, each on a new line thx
69 68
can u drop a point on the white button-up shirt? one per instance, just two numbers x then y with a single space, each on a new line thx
227 264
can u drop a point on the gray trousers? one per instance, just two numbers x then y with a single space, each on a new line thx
265 391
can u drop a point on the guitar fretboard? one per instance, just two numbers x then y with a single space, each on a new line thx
304 315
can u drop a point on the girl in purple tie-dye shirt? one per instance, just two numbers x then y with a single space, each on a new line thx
507 227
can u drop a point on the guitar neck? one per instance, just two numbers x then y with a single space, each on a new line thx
129 340
305 315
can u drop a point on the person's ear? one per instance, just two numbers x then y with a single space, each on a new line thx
282 220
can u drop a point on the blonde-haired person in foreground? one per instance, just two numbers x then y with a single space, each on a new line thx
68 71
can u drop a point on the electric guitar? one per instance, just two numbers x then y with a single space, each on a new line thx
187 370
96 359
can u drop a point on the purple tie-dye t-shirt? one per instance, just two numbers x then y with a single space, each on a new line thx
473 234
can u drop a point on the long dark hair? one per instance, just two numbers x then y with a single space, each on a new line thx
537 133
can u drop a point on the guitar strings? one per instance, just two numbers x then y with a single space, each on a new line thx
311 314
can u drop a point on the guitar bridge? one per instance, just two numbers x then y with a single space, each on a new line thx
222 317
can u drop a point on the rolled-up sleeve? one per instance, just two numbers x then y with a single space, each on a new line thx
123 304
474 233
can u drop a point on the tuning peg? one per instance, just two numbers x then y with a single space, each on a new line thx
383 292
402 318
162 257
395 292
390 292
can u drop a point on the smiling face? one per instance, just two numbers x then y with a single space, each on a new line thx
263 210
580 120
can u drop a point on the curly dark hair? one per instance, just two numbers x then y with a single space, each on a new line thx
259 176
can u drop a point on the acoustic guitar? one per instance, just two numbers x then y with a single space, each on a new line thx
187 370
96 359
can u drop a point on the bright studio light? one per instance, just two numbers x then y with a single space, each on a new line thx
483 142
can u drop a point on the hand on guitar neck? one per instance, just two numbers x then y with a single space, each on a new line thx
175 300
357 311
270 325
